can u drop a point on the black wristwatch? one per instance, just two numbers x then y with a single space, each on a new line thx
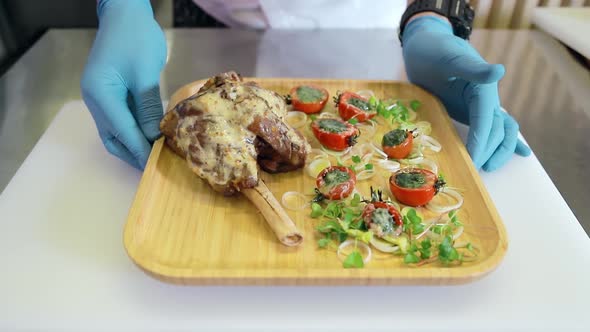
459 13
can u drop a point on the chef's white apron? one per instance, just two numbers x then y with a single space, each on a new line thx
306 14
275 51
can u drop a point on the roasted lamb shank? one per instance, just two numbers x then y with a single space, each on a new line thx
229 128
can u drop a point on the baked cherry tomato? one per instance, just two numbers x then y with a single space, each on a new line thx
336 182
414 186
308 98
335 134
351 105
381 217
397 144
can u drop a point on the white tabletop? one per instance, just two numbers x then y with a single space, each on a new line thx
63 265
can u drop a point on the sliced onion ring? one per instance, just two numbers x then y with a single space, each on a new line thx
437 208
326 115
336 153
430 142
378 150
289 196
366 93
380 121
389 165
296 119
458 233
431 164
367 130
429 224
361 149
364 175
370 123
423 127
383 246
416 151
316 153
316 166
420 127
366 159
360 246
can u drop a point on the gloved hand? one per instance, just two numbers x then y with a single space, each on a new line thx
120 84
451 68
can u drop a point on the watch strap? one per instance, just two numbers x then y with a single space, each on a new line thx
458 12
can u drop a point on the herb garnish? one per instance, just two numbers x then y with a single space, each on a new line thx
410 179
309 94
394 137
332 125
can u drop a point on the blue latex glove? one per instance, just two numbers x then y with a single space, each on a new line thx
451 68
120 84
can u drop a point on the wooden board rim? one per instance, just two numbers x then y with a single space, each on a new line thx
419 276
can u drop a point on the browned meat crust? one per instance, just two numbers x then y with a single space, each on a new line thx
229 127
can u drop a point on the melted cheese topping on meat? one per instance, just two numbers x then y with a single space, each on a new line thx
224 154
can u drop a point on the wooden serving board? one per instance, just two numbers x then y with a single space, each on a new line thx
180 231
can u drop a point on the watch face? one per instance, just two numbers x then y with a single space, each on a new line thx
458 12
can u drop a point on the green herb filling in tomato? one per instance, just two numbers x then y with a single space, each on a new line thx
394 137
359 103
382 218
410 180
332 126
336 177
308 94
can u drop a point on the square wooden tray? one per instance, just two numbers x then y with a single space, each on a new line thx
180 231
